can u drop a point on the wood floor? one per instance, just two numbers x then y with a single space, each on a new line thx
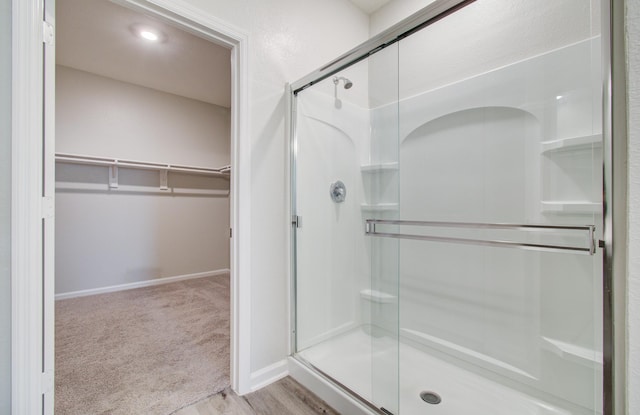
284 397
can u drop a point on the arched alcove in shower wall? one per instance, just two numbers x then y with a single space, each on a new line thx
494 144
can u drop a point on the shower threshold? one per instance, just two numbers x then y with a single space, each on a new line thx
366 367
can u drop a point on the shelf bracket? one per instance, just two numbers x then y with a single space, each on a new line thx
113 177
164 180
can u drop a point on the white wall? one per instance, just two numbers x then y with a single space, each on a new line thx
633 282
394 11
5 206
106 238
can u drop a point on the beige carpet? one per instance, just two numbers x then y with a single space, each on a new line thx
145 351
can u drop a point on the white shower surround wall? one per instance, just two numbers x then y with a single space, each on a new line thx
481 37
508 319
514 344
333 143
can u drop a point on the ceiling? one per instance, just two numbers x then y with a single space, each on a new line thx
369 6
98 36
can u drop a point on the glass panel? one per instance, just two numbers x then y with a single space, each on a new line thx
347 283
339 315
489 116
500 122
381 174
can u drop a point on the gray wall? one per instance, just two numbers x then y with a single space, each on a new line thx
5 206
107 238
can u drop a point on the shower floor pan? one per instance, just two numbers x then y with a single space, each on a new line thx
366 365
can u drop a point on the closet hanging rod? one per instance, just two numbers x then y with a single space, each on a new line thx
370 229
142 165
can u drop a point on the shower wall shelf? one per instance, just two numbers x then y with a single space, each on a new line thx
379 207
559 152
584 207
462 352
379 297
378 168
162 168
574 353
572 143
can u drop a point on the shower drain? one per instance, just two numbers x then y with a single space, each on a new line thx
430 397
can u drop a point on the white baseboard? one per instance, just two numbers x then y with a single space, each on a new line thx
325 390
139 284
268 375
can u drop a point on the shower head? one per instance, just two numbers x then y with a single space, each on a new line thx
347 83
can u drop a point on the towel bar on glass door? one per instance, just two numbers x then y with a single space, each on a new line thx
370 229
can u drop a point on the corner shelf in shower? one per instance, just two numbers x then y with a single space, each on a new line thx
379 207
584 207
380 167
572 143
573 353
378 297
565 160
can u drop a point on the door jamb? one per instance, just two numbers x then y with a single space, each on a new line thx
27 380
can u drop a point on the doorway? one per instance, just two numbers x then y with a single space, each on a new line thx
207 27
157 129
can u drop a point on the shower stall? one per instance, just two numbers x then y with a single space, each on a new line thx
447 202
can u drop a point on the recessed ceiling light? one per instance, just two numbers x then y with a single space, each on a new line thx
559 97
149 35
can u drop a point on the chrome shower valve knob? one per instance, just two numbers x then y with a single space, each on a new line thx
338 192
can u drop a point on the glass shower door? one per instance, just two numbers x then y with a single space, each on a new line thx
447 207
500 157
346 306
381 175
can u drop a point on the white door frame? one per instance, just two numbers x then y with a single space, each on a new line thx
205 25
29 208
27 385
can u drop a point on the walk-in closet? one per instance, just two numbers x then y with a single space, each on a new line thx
142 212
